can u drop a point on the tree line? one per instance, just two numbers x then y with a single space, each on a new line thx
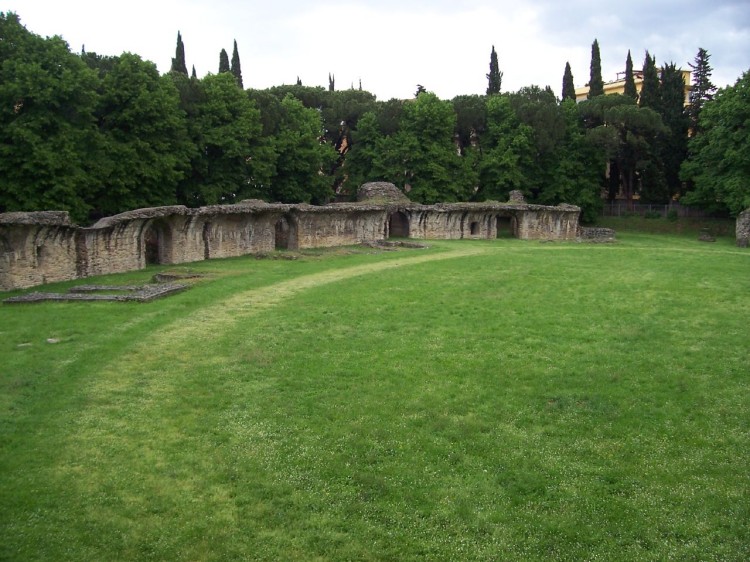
97 135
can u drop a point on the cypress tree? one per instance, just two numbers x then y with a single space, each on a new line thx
703 90
223 61
675 117
495 77
178 62
596 84
630 90
568 88
236 68
650 88
332 83
194 75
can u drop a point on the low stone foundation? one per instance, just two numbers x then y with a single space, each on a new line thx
596 234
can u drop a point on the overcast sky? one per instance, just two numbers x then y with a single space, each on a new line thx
393 45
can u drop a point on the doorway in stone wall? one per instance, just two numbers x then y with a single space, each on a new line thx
505 227
157 241
281 236
398 225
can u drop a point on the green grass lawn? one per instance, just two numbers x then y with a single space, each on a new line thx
478 400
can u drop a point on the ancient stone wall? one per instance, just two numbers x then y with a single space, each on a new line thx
743 229
551 223
338 225
37 248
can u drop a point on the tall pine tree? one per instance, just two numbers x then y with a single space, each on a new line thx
568 88
236 68
703 89
596 84
630 89
495 77
223 61
650 88
178 62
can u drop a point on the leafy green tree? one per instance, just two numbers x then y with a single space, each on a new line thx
703 89
341 113
231 161
625 134
471 119
389 115
48 136
145 152
596 84
719 157
577 169
673 145
630 89
301 158
236 68
495 77
650 88
568 87
363 158
507 152
422 158
178 62
224 62
538 109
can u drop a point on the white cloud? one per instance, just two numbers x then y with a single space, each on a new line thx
393 45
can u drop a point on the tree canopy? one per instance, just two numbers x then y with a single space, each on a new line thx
719 157
95 134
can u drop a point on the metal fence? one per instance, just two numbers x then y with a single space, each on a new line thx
622 209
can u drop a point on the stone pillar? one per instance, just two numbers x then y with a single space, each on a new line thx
743 229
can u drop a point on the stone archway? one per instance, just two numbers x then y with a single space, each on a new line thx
281 234
157 243
506 226
398 225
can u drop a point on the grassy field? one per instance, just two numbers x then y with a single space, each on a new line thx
487 400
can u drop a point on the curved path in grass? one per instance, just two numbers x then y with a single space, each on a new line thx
216 317
174 347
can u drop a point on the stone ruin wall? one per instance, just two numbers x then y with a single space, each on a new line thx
38 248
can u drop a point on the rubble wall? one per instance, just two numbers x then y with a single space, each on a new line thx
38 248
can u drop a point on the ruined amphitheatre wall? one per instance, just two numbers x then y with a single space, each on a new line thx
545 223
457 221
337 225
38 248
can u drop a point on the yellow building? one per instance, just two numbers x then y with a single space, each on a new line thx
618 86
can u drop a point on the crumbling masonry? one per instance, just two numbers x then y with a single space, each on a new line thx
44 247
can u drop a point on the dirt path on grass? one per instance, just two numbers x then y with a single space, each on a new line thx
214 318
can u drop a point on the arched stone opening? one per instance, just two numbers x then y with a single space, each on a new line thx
398 225
506 227
474 228
157 243
282 231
